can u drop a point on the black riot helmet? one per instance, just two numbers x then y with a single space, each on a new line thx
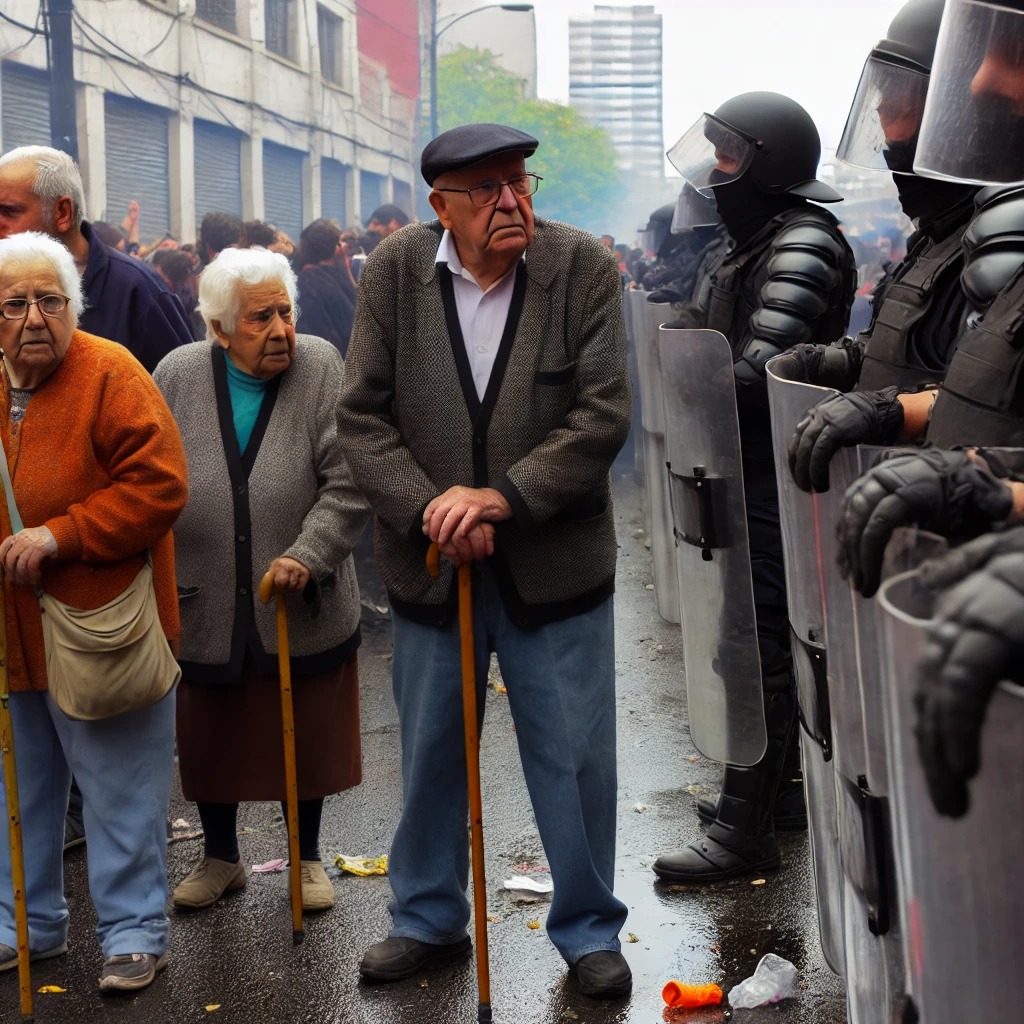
973 125
885 118
764 138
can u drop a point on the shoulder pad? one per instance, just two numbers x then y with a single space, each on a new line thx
993 243
999 214
818 239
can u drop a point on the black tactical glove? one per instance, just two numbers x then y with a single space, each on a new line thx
946 492
841 421
829 366
976 639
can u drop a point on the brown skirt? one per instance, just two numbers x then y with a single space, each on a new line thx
229 739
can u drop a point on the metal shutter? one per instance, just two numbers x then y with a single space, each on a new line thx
282 189
218 169
332 191
24 106
137 165
371 191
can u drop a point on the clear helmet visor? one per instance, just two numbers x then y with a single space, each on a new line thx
882 128
711 154
973 126
694 210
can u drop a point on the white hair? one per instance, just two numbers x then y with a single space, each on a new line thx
224 281
35 247
56 175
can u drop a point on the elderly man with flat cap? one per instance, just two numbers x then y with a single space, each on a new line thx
485 397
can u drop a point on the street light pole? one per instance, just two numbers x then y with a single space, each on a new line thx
435 35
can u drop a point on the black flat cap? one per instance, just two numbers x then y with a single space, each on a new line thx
469 143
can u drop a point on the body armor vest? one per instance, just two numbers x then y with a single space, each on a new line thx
980 401
889 356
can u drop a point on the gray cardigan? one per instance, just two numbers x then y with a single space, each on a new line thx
290 494
556 412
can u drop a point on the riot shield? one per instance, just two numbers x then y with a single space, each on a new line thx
808 545
809 552
961 898
646 318
720 654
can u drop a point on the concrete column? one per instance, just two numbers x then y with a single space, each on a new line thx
252 177
353 194
182 166
92 155
312 199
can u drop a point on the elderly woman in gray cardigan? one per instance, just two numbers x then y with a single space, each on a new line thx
269 488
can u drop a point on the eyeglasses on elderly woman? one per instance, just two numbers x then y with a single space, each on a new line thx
17 308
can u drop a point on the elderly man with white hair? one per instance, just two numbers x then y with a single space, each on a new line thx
126 300
99 477
270 490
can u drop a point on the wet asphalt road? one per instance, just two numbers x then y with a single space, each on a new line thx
239 957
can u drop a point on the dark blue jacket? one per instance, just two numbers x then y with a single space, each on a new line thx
127 302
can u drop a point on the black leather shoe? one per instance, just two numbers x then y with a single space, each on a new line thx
398 957
709 861
603 975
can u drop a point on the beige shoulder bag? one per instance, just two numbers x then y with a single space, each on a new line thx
105 661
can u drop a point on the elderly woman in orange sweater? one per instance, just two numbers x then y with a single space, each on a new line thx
99 477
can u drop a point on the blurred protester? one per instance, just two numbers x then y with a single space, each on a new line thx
386 219
217 232
108 234
130 226
283 245
101 477
258 232
258 398
326 292
175 267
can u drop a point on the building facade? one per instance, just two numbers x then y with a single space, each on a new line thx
279 110
615 82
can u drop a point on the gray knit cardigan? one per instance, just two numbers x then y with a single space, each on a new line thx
298 497
556 412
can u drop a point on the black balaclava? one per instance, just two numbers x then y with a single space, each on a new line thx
927 199
745 208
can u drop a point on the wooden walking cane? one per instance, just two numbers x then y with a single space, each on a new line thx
14 820
471 724
291 781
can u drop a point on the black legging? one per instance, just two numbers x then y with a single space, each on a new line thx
220 829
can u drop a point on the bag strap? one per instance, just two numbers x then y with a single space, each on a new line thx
12 506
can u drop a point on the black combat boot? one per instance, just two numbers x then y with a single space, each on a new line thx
741 840
790 811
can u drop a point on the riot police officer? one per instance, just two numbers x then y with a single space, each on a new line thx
921 308
789 279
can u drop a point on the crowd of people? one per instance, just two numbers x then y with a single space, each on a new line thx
182 420
327 259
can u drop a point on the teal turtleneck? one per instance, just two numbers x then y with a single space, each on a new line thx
246 394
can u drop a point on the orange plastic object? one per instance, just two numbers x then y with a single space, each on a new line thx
678 993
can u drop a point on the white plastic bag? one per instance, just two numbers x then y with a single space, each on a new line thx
772 981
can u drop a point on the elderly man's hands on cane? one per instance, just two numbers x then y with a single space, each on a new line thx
460 522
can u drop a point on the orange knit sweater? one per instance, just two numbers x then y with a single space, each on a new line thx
98 459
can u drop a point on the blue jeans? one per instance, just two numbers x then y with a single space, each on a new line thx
123 766
561 692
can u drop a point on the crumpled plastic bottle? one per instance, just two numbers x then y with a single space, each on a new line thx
774 979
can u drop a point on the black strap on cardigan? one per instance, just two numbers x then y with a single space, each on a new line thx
480 412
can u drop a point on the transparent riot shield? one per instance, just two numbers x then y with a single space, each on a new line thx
961 899
646 318
809 552
716 596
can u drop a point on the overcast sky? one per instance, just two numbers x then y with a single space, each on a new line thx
811 50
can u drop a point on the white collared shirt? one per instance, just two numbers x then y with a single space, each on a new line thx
482 314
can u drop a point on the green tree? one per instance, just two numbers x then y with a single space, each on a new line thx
576 159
